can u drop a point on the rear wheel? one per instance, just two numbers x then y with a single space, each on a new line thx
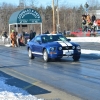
31 56
76 58
45 56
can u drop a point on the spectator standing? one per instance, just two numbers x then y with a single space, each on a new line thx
4 36
23 37
64 33
88 19
89 23
84 23
93 18
32 35
13 39
18 39
47 32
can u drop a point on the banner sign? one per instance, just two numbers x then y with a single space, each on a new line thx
29 16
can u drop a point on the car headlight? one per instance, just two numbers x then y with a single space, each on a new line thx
73 47
78 47
60 48
52 48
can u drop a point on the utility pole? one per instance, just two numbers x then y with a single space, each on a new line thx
58 25
86 7
53 8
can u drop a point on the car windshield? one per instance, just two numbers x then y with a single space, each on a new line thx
51 38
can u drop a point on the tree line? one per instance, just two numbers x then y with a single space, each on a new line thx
70 18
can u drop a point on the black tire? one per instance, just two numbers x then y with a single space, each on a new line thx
76 58
31 56
45 56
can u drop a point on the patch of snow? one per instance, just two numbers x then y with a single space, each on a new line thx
8 92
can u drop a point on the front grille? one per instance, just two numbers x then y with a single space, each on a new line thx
67 48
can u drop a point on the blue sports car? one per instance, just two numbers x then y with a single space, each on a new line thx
53 46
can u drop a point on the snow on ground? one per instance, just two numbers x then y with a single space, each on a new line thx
85 39
96 52
8 92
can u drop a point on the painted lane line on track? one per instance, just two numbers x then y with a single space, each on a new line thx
10 71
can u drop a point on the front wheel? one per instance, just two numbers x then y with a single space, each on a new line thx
30 54
76 58
45 56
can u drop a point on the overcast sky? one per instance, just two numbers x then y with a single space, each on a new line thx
49 2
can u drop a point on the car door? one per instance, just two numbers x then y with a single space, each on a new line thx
38 46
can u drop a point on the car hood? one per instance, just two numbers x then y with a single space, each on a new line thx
59 43
74 44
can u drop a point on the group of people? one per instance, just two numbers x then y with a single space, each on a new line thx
17 39
88 23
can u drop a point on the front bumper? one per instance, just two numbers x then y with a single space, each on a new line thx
60 54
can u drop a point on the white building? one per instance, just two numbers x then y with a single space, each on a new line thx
96 13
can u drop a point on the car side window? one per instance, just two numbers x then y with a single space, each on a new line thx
38 38
45 39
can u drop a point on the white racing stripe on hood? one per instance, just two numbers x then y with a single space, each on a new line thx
65 43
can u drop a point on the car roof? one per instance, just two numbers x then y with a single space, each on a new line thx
49 34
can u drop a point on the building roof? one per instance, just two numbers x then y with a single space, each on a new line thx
25 16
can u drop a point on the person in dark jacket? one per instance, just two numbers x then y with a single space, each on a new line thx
47 32
84 23
32 35
4 36
93 18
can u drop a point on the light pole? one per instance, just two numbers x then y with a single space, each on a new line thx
58 25
53 16
86 7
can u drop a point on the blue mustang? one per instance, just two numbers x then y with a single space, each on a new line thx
53 46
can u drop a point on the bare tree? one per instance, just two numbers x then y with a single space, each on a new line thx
30 3
69 17
5 11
